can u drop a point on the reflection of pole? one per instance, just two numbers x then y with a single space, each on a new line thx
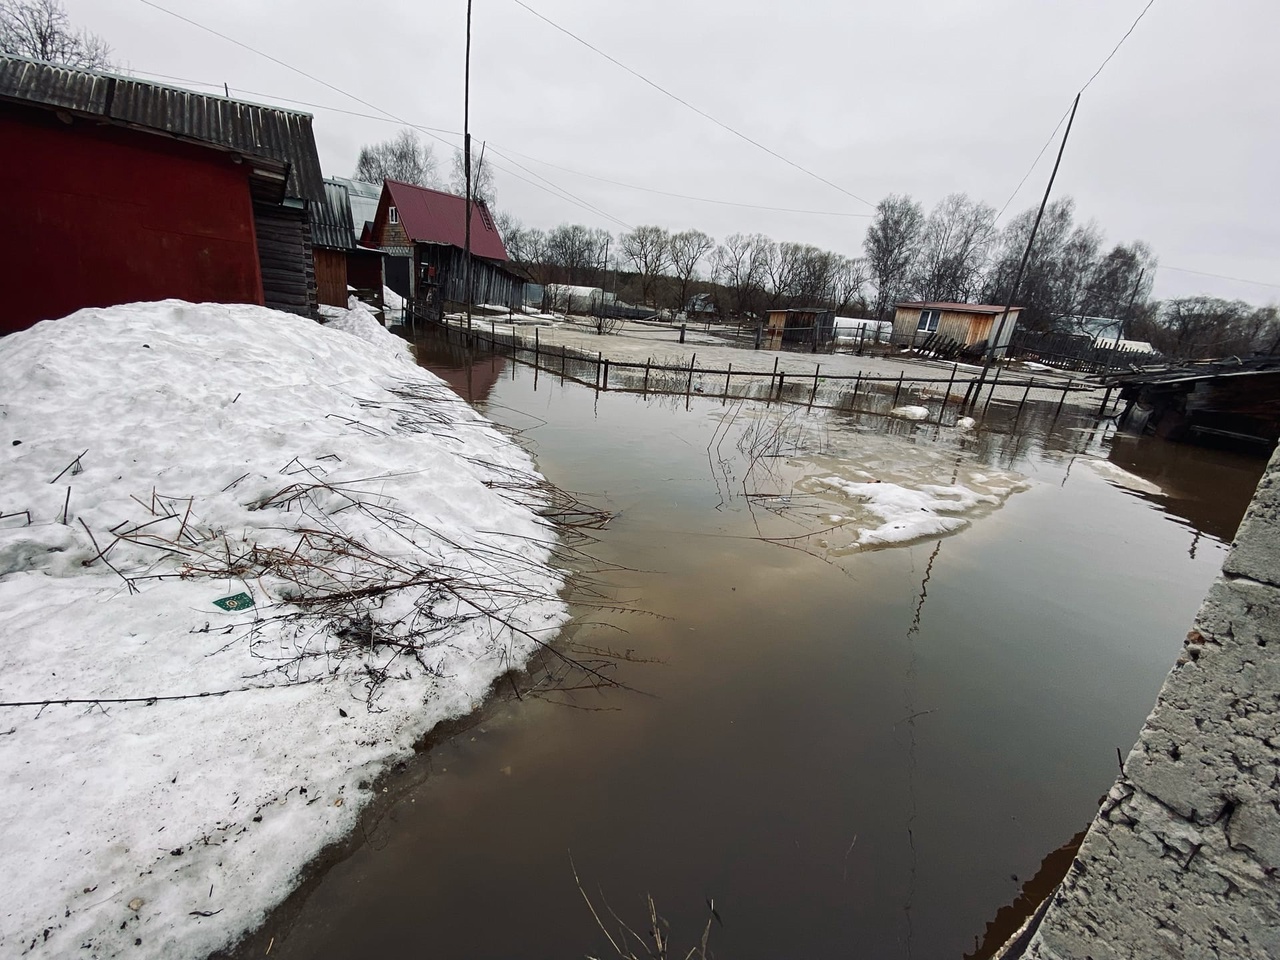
466 168
1026 254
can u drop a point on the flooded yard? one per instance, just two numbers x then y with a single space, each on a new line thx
875 672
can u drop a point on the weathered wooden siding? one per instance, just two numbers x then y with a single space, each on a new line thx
331 276
968 328
284 251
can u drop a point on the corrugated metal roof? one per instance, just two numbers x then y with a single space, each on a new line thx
331 219
248 128
986 308
363 200
432 216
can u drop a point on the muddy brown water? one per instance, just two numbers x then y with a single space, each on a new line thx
867 757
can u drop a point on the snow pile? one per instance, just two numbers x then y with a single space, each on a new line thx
392 305
909 514
910 412
158 458
879 491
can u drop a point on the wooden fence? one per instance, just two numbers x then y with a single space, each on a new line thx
946 398
1075 353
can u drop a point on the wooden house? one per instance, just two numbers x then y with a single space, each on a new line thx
118 190
966 323
423 233
794 326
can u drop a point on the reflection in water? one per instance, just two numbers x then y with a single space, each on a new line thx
775 732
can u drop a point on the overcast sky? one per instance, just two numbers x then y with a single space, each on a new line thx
1175 142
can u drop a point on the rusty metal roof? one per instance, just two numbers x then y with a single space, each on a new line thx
238 126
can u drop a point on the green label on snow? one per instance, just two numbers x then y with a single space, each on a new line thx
240 601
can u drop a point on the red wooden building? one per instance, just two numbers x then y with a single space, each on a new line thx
117 190
423 231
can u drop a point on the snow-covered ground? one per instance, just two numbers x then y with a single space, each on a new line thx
158 458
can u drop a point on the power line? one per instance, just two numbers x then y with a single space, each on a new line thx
456 133
680 100
684 196
1094 77
562 194
1219 276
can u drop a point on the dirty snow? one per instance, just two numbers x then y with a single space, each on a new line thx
1121 477
209 451
910 412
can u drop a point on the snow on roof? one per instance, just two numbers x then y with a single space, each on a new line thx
188 432
433 216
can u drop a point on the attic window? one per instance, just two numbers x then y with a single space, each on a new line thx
393 214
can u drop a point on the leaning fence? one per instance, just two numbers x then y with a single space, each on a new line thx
940 399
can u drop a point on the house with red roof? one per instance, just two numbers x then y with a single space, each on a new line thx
423 233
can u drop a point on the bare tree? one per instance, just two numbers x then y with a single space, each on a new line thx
648 250
576 251
848 278
686 251
482 185
41 30
955 242
739 264
402 158
891 246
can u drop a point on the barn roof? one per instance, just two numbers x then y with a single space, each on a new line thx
283 136
331 220
433 216
987 308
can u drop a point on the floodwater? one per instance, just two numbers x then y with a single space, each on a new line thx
852 752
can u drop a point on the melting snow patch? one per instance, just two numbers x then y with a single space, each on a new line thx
910 412
1123 478
158 458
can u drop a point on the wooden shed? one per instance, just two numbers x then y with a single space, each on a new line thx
966 323
795 326
117 190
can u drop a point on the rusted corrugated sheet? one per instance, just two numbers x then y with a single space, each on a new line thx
248 128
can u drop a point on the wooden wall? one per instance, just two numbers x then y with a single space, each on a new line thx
284 251
331 276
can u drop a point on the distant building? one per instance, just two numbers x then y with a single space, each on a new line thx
701 306
799 325
423 231
343 266
966 323
117 190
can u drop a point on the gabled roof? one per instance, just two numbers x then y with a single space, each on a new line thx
281 136
986 308
433 216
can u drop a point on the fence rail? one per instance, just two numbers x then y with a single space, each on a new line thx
946 398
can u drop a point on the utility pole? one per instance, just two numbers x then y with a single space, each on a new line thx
1026 254
1126 322
466 168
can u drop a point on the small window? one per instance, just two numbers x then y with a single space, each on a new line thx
393 214
928 321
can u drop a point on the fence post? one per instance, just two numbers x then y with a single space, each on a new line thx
562 363
537 348
727 374
1025 393
862 338
947 396
814 394
1065 391
688 387
853 397
897 392
1106 398
599 360
994 380
644 390
606 375
682 333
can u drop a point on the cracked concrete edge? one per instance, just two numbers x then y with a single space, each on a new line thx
1183 857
